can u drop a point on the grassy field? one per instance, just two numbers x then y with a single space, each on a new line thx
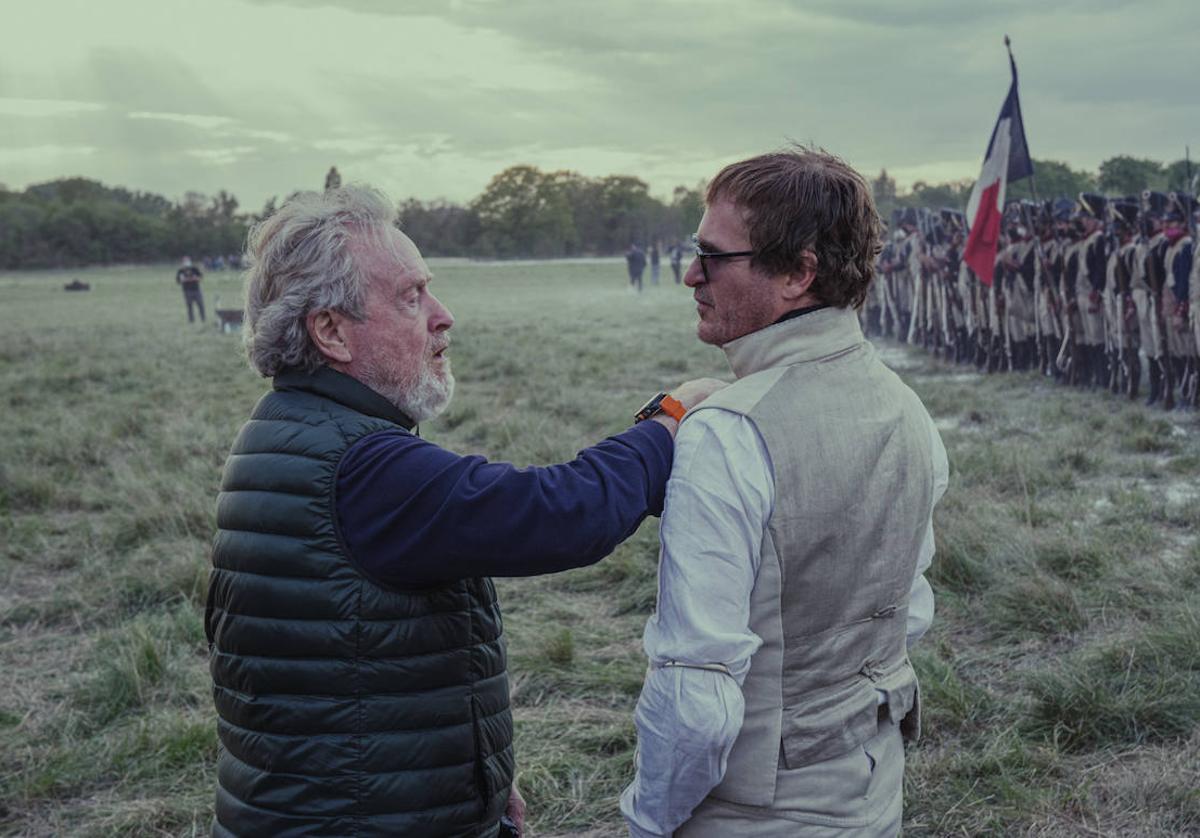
1061 680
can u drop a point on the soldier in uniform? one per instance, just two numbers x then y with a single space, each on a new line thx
936 262
1085 265
969 292
1154 275
887 280
912 253
998 342
1046 284
1019 260
1178 263
1194 295
957 317
871 316
1120 312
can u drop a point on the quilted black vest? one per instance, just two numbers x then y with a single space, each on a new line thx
345 707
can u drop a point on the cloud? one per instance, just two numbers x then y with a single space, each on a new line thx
45 107
221 156
432 99
46 154
197 120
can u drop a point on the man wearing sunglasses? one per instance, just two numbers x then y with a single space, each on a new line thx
797 527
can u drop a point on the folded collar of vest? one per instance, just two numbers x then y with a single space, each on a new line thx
343 389
816 335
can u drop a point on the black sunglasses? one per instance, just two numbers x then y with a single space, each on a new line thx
704 255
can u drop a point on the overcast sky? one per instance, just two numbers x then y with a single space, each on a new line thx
430 99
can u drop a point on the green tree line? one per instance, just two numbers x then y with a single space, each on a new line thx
523 212
76 221
1120 175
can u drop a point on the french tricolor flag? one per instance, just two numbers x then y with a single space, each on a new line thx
1007 161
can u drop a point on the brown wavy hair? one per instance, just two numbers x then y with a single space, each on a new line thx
805 200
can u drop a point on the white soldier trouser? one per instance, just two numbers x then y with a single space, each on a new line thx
917 323
856 795
1151 338
1047 323
1019 313
1115 337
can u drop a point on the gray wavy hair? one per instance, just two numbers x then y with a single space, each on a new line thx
300 260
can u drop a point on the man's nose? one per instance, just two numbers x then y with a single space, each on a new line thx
694 275
440 319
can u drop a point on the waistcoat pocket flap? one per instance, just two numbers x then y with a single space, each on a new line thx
817 730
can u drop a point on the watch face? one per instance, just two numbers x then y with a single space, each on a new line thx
649 408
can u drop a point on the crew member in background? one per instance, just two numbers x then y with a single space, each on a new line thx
188 277
676 253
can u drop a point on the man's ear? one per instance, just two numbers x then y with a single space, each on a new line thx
796 284
328 332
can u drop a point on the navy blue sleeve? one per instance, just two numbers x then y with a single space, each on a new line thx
414 514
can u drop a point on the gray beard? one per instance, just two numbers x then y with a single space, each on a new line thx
419 400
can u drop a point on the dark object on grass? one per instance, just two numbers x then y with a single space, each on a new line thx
229 319
76 285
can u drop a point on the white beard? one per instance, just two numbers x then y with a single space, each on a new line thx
419 400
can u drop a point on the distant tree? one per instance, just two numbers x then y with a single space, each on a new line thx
440 228
626 206
76 221
953 194
1053 179
883 188
688 205
1182 176
1125 175
267 210
21 242
582 195
521 214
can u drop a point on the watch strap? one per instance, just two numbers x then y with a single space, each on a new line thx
672 407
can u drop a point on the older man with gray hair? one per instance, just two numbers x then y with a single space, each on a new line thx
356 646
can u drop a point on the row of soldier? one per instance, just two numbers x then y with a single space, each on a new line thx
1089 292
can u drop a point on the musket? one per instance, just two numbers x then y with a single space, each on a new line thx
1156 290
1002 295
1112 341
1191 382
1043 270
1068 354
1121 274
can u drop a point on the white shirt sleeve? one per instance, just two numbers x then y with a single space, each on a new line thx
920 596
719 499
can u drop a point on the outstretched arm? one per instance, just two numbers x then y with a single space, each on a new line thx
414 514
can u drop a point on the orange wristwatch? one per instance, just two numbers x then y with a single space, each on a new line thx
662 403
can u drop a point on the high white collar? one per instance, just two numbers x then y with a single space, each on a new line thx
809 337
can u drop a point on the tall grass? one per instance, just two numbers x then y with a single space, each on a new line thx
1059 678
